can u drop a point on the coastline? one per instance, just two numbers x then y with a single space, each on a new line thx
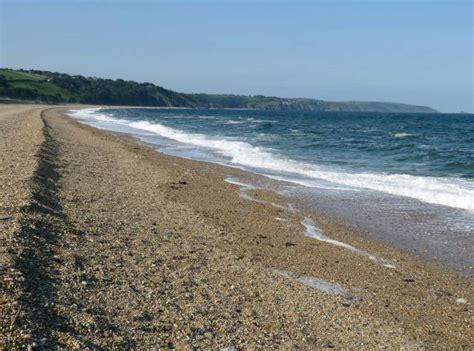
411 211
169 250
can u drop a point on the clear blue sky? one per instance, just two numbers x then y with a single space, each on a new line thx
418 52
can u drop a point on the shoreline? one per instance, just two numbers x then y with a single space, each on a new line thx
425 230
158 239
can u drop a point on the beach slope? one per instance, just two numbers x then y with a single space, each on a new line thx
108 244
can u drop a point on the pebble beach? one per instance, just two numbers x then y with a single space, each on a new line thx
108 244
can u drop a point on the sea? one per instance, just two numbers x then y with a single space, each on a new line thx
404 179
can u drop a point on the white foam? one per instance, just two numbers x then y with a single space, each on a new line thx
312 183
323 285
311 229
244 187
442 191
235 181
243 190
254 120
233 122
453 192
315 283
91 114
281 219
403 135
314 232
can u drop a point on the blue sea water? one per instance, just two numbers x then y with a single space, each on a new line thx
405 179
429 157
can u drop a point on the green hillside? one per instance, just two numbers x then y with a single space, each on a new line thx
52 87
26 85
260 102
44 86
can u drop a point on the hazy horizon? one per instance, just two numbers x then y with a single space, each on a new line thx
416 52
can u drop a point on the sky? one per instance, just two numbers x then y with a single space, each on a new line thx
417 52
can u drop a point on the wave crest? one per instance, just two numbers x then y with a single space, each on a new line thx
452 192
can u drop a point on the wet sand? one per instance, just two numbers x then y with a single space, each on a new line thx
107 243
437 233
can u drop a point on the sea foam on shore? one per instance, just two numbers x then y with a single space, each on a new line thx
447 191
413 191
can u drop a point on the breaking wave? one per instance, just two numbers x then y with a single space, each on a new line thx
448 191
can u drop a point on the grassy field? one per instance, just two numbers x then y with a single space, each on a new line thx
14 76
35 83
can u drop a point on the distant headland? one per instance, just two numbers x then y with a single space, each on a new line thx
53 87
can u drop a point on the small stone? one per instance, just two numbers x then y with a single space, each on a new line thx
461 300
288 243
328 345
5 218
442 292
106 278
208 335
84 283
